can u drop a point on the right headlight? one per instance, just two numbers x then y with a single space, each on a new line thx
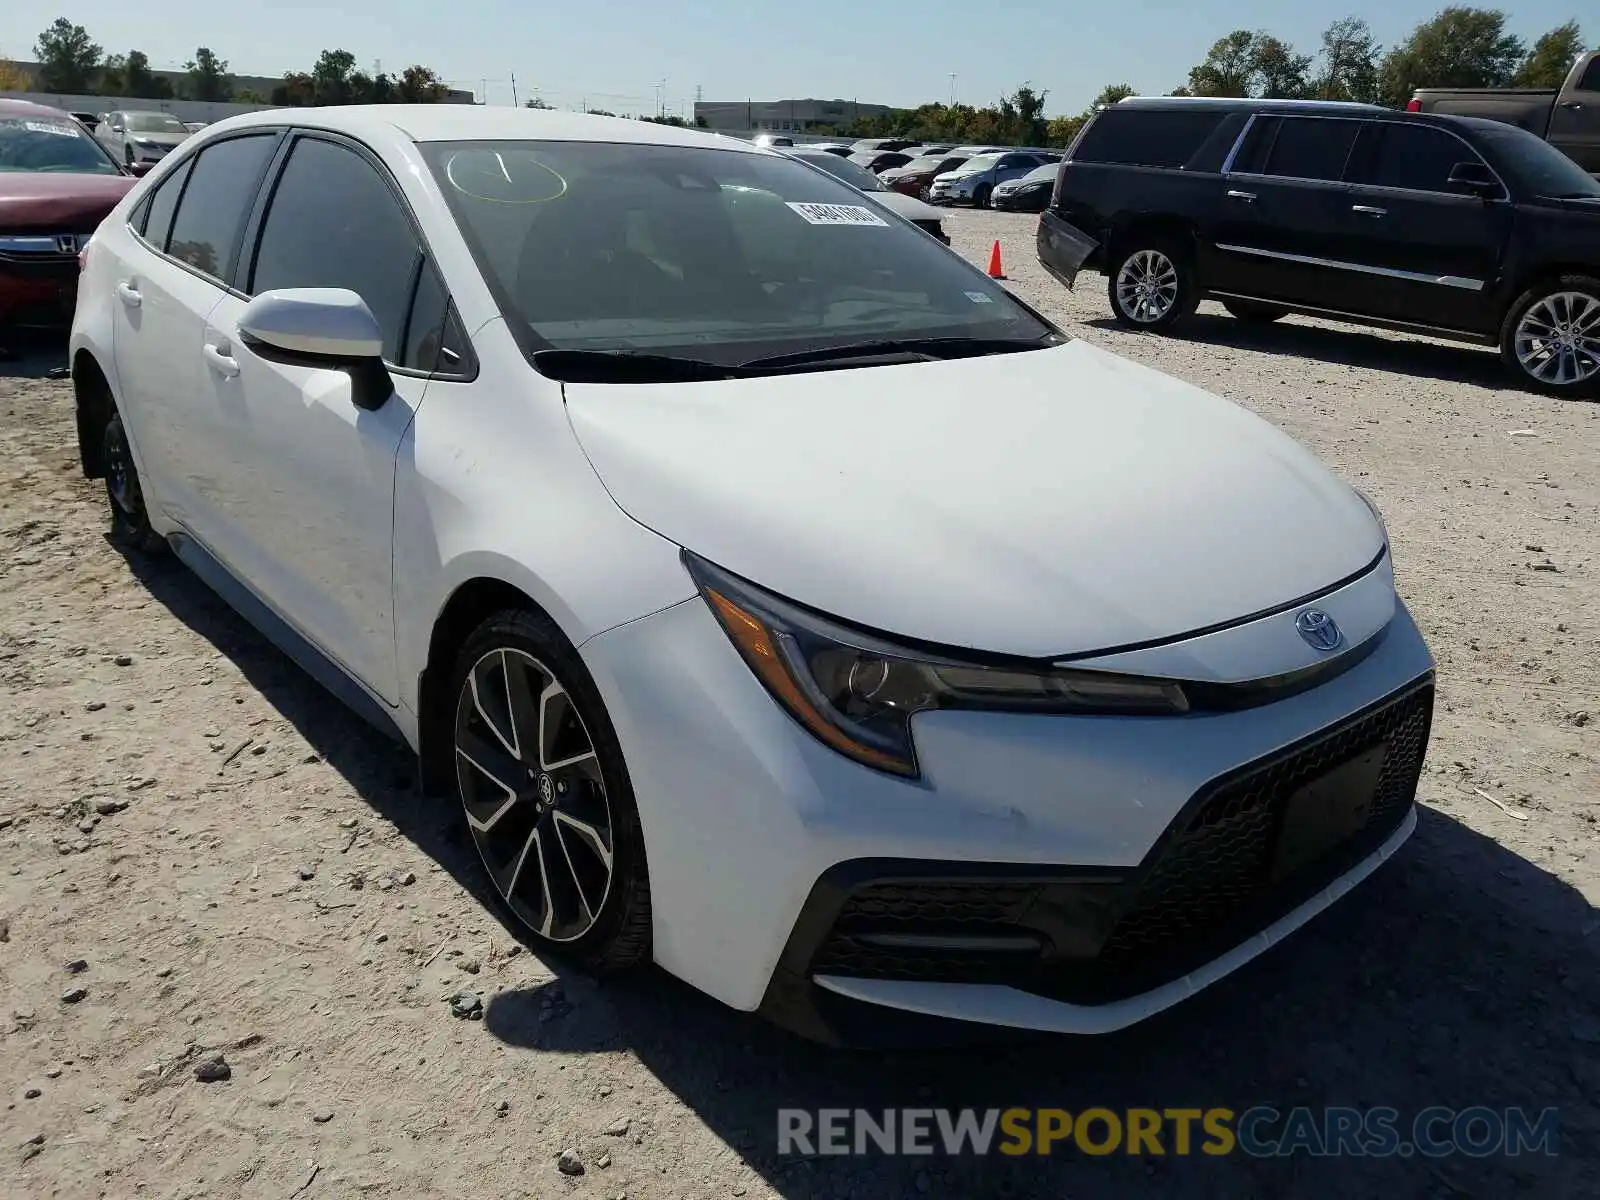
857 692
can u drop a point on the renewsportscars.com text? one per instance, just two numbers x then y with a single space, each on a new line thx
1261 1131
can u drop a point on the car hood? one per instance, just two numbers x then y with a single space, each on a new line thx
908 207
159 139
51 199
1042 503
952 176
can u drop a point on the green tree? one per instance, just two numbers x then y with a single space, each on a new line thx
330 77
297 90
68 58
1551 58
1278 72
250 96
419 85
208 76
1111 93
1349 68
1458 48
1228 68
1028 107
13 78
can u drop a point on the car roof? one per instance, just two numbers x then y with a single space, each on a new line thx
1232 103
20 108
472 122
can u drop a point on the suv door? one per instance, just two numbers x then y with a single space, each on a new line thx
1575 120
189 233
1427 252
1281 214
1014 166
307 477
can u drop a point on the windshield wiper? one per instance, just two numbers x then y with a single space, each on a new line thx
628 366
924 348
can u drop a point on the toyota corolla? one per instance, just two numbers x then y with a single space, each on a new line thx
782 601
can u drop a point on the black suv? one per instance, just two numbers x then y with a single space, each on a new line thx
1453 226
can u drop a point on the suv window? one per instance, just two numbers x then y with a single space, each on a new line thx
163 202
1410 156
1311 148
334 222
1590 81
1019 160
1146 137
212 215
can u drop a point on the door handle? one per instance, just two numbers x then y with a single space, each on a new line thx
1369 210
1247 197
128 294
221 363
1571 104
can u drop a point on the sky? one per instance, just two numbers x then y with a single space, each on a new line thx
631 55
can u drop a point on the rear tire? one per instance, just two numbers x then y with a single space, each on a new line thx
1551 337
566 853
130 523
1254 312
1151 284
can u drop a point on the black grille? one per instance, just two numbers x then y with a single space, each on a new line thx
1207 885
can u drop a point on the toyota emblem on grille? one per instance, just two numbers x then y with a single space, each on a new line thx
1319 630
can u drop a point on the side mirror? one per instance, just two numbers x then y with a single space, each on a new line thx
330 328
1475 179
141 168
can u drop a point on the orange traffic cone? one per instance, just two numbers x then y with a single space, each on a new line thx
996 271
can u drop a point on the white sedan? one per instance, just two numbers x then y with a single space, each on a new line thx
782 601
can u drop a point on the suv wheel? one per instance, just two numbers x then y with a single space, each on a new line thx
980 196
130 524
1151 286
1249 310
1551 337
546 792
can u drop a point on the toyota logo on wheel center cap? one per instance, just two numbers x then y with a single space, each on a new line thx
547 789
1318 629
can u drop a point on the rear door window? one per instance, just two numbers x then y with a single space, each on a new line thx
1311 148
226 177
1138 137
162 204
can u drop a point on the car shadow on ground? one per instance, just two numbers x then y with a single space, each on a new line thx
30 354
1352 347
1459 975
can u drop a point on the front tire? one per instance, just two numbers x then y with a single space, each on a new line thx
1551 337
1151 285
130 523
1254 313
549 805
980 197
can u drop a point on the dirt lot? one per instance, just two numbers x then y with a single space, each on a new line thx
202 854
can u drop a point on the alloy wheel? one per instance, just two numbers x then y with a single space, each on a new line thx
120 482
1147 286
1558 339
534 795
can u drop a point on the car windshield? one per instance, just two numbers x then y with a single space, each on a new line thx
975 166
1536 162
1044 174
935 162
46 143
854 174
722 255
154 123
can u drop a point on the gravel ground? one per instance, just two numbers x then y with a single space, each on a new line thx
202 855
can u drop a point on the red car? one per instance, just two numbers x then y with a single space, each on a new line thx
56 185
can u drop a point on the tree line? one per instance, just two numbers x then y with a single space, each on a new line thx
1457 47
73 63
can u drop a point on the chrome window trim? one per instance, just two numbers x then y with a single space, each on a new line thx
1450 281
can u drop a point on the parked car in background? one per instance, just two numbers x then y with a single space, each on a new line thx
924 216
89 121
916 177
975 180
56 185
1454 226
134 137
774 139
871 655
1568 117
195 126
842 149
866 144
880 160
1030 193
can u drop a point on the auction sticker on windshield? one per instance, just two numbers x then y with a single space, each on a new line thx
59 129
837 214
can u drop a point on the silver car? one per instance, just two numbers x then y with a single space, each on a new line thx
135 137
974 181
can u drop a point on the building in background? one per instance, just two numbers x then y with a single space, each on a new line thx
780 116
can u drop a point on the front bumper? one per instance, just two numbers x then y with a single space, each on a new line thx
38 289
150 154
1021 201
770 855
